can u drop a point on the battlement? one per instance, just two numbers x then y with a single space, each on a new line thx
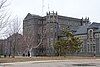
51 13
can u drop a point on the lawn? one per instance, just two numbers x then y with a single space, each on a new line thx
23 59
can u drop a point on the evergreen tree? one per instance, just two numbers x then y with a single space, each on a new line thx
68 44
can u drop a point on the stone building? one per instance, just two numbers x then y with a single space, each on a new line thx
42 32
90 35
12 45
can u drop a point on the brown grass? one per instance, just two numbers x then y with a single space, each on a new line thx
23 59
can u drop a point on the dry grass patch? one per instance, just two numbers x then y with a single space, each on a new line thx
23 59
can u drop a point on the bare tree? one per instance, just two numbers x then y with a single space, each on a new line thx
4 15
13 32
29 39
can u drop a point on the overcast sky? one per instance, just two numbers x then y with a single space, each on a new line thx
71 8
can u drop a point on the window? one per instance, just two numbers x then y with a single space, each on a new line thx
90 33
94 48
91 48
88 47
51 29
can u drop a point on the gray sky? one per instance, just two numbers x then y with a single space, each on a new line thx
71 8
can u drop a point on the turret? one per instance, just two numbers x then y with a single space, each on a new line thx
85 21
51 17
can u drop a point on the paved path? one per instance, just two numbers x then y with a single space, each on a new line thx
56 63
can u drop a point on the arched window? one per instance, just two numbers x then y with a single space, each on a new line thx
90 33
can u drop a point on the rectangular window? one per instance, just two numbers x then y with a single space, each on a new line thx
94 49
88 47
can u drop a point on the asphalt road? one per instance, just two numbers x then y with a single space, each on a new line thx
56 63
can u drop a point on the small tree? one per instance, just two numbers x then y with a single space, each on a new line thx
68 44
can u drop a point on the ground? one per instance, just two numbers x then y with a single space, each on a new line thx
56 63
23 59
68 61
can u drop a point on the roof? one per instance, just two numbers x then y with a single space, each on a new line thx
97 31
68 18
94 25
29 16
14 35
83 29
59 16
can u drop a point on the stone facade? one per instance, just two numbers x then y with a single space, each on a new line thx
90 35
42 32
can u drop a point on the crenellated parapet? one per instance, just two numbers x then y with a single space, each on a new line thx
51 17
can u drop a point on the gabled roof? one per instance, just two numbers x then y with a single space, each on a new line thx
29 16
15 35
83 29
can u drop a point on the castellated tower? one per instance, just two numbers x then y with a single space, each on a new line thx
51 30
